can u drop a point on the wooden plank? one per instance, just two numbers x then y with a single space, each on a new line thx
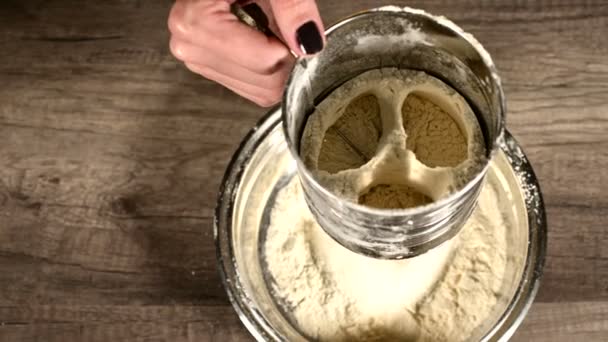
581 321
556 322
126 332
120 323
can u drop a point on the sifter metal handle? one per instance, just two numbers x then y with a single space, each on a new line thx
252 15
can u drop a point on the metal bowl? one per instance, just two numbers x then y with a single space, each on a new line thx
259 169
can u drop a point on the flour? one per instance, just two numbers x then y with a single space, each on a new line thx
393 197
398 131
334 294
389 139
386 43
360 121
432 134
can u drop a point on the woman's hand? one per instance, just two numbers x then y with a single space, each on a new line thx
212 42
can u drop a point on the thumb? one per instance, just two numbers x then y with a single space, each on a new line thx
300 25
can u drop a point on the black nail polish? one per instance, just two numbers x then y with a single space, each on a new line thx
309 38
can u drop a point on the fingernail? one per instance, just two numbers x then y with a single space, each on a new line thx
309 38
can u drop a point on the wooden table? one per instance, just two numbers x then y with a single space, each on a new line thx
112 154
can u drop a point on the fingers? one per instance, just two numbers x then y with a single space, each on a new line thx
300 25
272 23
273 78
210 25
214 43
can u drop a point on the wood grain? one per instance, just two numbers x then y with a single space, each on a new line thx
112 153
580 321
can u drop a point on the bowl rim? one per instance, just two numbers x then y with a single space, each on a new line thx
262 330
